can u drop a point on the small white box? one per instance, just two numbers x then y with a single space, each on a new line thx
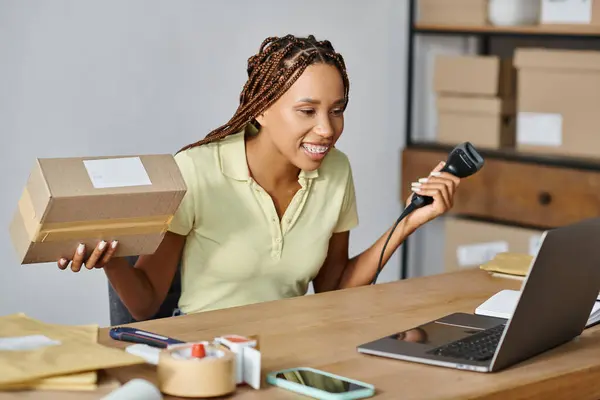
248 358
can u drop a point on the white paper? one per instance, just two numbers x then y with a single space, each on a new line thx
117 172
22 343
539 129
507 276
503 304
566 12
479 253
535 242
500 305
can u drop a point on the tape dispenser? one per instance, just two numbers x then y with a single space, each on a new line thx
205 369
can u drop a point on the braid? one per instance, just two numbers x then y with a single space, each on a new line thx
271 72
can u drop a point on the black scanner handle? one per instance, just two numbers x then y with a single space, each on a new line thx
463 161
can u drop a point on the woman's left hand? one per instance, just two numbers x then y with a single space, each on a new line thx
439 185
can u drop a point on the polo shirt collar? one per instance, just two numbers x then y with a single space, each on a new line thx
232 154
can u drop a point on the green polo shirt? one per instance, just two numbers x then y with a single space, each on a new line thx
237 250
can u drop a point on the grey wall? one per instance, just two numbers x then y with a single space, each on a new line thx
82 78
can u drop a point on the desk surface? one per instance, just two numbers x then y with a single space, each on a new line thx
322 331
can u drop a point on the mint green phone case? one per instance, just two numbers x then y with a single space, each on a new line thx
367 391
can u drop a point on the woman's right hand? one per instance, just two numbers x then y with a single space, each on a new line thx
101 255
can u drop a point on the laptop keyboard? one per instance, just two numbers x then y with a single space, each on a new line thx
480 346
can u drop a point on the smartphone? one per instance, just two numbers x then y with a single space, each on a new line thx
320 384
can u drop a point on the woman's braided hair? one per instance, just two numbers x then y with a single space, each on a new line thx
271 72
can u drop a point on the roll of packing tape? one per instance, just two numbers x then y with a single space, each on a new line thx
182 373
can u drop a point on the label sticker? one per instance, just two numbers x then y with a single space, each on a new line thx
479 253
566 12
117 172
22 343
539 129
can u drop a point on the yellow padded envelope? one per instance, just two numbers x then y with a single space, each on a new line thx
509 263
85 381
34 354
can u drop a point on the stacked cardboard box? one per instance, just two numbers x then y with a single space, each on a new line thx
558 101
468 243
476 12
475 100
453 12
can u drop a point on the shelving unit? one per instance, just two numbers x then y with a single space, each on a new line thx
549 31
539 191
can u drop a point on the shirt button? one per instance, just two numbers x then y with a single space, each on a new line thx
278 240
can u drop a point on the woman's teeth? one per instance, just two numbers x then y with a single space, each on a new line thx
315 149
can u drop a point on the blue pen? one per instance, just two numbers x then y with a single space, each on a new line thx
139 336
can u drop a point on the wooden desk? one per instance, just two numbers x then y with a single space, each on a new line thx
322 331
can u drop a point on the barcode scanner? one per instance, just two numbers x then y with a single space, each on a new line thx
463 161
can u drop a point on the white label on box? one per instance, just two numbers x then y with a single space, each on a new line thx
23 343
534 244
539 129
566 12
479 253
117 172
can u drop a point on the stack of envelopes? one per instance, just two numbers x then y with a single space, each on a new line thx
37 355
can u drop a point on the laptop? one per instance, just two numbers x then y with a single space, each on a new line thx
556 300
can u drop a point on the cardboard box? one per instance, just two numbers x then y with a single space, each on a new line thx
489 76
485 122
468 244
68 201
558 101
453 12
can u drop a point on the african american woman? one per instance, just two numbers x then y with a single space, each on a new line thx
270 201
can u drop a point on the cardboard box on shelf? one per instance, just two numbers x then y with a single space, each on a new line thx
558 101
485 122
453 12
67 201
468 243
474 75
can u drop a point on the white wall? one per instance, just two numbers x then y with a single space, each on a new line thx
131 76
